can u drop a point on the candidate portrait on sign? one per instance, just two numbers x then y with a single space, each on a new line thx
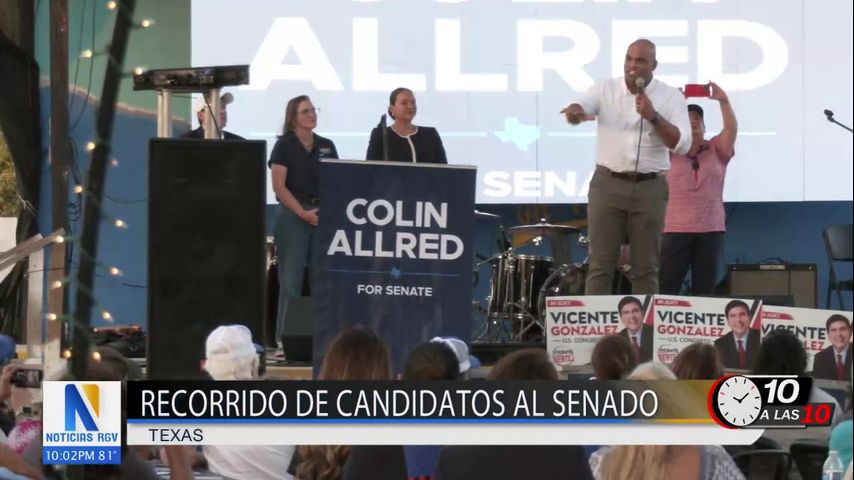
636 332
739 347
834 362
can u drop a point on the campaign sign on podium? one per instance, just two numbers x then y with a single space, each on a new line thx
395 252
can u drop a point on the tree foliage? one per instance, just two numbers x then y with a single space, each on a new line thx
9 204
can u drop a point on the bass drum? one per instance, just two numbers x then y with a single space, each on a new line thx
571 281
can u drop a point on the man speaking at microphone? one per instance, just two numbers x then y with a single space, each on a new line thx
640 120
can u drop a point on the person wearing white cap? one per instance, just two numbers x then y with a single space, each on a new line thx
231 355
199 107
461 350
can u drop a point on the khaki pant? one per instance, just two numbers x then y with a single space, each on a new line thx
620 209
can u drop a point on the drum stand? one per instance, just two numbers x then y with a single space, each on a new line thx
561 271
495 324
495 327
528 321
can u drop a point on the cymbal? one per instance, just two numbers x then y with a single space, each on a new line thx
478 213
545 228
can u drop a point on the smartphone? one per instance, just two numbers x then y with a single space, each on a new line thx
697 90
28 378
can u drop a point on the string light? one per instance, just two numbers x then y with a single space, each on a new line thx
51 317
59 239
56 284
78 189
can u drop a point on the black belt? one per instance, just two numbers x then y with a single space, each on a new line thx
632 176
315 201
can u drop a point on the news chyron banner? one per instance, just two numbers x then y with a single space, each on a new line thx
732 325
826 335
394 243
575 324
474 412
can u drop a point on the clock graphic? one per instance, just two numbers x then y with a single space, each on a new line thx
736 401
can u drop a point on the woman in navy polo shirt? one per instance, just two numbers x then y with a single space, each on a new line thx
406 142
295 164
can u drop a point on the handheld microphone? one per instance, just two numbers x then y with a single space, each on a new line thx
829 115
640 83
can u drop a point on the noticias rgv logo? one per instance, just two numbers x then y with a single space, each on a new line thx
87 411
82 422
76 407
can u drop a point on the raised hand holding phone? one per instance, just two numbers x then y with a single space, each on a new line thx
27 378
6 381
717 93
697 90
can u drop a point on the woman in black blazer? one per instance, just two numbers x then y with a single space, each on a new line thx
406 142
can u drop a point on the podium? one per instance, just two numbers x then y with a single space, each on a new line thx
395 252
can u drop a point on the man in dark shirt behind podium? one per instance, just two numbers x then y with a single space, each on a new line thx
199 107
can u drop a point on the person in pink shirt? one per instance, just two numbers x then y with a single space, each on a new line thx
695 222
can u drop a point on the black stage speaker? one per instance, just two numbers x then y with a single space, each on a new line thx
206 239
798 280
298 335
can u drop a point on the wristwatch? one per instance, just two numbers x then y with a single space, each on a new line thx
654 118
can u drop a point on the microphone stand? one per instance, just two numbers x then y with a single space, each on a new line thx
640 86
830 119
384 127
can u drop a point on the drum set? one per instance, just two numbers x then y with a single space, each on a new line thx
514 309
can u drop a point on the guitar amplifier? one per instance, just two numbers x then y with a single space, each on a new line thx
800 280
